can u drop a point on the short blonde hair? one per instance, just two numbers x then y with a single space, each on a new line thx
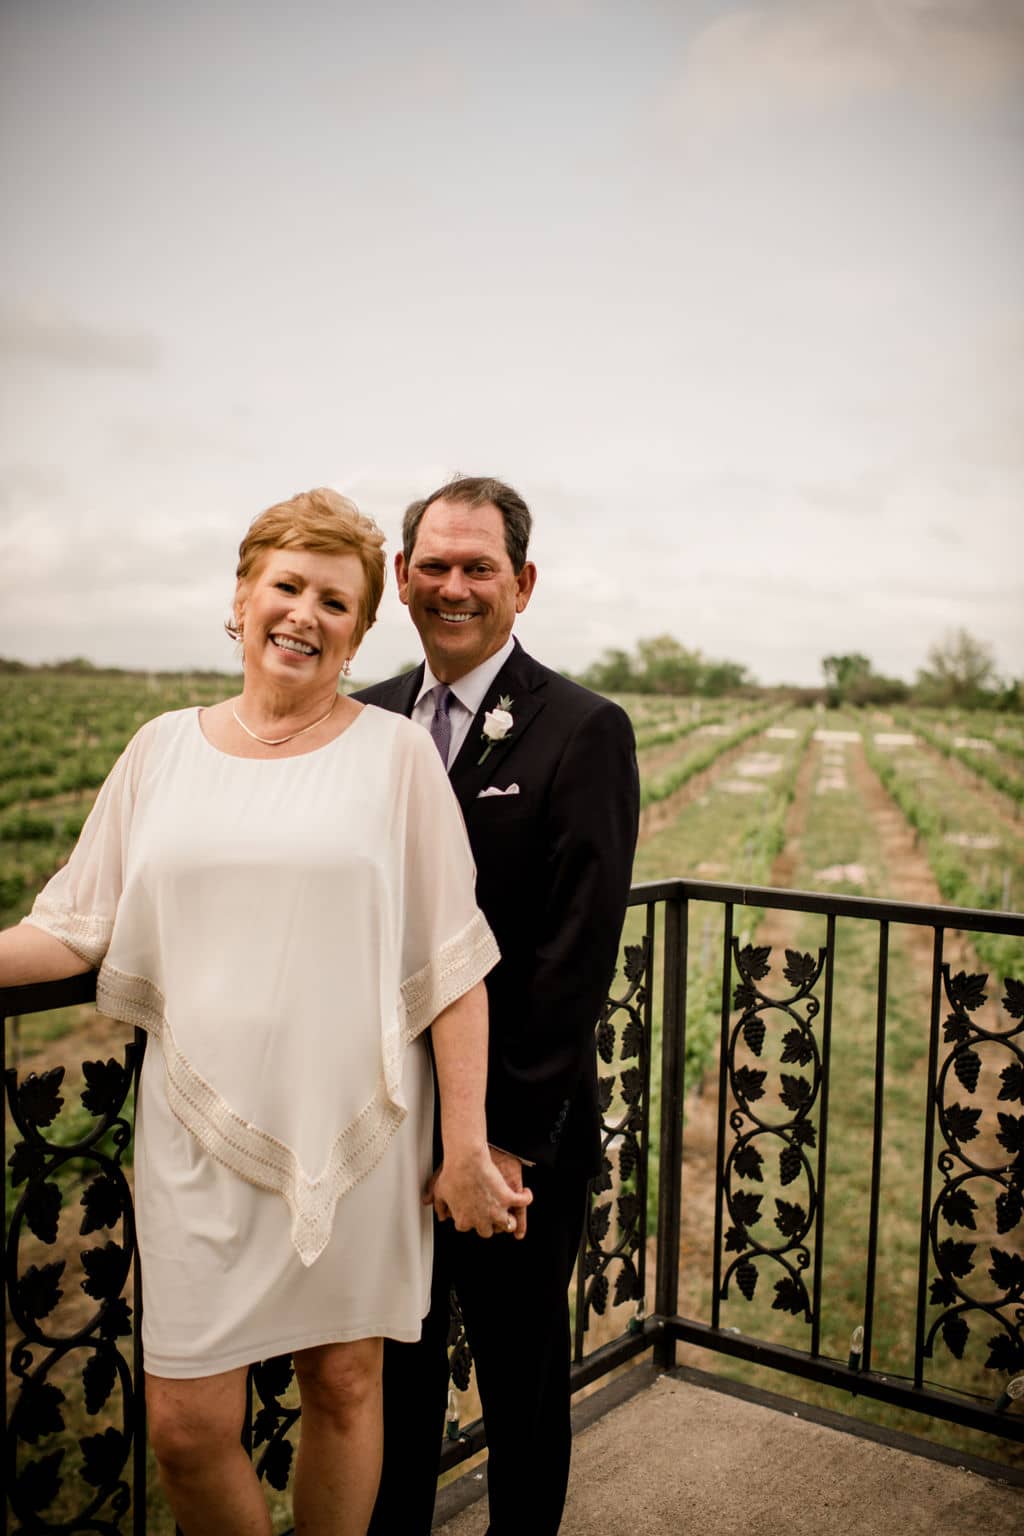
327 522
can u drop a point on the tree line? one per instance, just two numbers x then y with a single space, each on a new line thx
959 670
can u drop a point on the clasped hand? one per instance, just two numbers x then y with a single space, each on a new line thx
481 1192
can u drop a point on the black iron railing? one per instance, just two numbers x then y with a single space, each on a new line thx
774 1189
772 1143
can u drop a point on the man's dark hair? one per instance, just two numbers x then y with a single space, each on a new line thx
475 491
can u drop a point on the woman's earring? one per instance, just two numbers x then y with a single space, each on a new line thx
346 666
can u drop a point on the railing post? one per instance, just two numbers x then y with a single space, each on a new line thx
670 1166
140 1442
920 1322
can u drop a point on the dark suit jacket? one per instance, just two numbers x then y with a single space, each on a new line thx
553 872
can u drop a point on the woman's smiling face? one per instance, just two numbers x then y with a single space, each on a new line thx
301 616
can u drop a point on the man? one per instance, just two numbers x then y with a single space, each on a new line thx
545 773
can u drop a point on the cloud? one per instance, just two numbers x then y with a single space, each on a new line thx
798 55
175 436
40 330
29 484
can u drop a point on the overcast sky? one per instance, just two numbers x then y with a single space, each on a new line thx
731 292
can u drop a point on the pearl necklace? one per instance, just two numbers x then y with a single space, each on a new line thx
267 741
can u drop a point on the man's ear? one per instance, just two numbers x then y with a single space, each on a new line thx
402 578
525 582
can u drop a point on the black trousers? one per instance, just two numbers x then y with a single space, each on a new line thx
514 1299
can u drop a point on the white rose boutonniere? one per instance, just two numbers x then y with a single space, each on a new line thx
498 724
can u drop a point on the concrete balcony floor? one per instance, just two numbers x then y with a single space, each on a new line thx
659 1455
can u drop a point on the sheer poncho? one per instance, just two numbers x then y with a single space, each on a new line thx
284 928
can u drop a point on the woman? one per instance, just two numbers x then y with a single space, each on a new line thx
279 890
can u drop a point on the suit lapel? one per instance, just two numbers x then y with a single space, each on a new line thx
522 681
403 696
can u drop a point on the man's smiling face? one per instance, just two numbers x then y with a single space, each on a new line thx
460 588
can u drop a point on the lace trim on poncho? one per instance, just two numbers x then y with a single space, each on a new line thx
247 1150
88 936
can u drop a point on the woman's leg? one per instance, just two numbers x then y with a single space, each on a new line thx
338 1466
195 1429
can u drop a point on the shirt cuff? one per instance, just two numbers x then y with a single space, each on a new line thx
506 1153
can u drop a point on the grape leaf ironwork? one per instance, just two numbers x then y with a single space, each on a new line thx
270 1419
613 1248
981 1198
60 1478
774 1124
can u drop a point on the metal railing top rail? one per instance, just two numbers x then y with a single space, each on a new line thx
972 919
40 996
82 989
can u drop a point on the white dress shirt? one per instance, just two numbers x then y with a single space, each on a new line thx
467 696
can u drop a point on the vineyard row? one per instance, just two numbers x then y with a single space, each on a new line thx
1001 778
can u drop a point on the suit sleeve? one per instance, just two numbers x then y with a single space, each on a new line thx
590 829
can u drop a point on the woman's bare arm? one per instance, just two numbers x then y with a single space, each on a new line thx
28 954
468 1186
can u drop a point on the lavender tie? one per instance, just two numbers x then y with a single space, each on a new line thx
441 725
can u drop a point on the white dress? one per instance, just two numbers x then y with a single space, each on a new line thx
284 930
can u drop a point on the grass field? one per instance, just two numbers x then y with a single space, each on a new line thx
733 791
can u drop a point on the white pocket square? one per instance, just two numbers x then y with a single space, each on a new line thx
492 789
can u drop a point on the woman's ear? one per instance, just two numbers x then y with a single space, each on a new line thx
238 606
